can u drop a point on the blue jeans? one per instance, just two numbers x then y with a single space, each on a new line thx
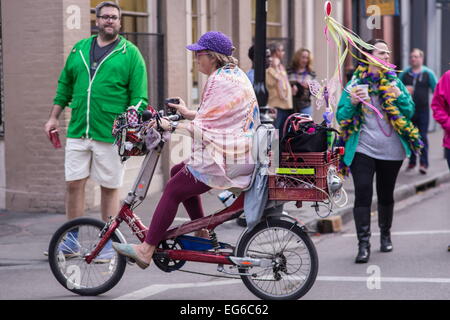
307 110
421 120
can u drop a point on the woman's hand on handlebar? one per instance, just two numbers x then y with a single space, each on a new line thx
164 124
181 107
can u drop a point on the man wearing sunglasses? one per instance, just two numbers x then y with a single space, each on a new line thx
103 76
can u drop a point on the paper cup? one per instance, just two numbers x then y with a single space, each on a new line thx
365 88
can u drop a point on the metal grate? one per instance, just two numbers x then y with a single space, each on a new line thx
151 46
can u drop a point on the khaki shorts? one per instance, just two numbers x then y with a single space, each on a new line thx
97 160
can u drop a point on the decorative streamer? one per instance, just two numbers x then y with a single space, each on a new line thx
344 39
344 36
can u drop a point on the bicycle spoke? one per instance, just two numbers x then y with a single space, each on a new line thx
76 271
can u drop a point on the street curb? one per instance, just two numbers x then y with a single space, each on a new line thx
402 193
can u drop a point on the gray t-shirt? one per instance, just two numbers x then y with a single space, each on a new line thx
99 53
377 138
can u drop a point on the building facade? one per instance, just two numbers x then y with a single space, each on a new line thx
36 37
413 24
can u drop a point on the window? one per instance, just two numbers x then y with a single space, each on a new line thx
195 91
201 19
277 24
274 18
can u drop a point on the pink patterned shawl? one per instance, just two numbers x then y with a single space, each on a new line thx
223 130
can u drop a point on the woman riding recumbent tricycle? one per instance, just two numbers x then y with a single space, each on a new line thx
270 269
284 268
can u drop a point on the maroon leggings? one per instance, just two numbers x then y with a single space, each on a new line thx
182 187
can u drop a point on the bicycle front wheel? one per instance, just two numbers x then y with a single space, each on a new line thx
66 255
294 260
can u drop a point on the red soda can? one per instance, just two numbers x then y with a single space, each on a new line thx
54 138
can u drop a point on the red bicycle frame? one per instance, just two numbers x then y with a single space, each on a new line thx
140 230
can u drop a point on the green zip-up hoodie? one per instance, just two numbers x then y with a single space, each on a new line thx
120 81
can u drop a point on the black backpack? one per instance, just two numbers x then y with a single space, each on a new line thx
301 134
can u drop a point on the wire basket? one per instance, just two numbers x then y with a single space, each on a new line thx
302 176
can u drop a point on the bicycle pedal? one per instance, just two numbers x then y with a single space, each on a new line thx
130 261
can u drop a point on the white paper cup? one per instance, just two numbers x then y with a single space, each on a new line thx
365 88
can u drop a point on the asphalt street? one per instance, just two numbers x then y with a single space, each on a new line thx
418 268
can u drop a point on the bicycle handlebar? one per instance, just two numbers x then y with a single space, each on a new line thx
149 115
175 117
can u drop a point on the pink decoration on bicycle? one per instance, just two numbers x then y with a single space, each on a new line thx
328 8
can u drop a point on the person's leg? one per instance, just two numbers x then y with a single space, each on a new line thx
278 119
180 187
424 123
76 166
447 156
386 177
192 205
412 161
282 116
109 203
413 158
76 169
108 171
174 170
362 169
75 198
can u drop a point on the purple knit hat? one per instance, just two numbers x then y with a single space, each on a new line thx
215 41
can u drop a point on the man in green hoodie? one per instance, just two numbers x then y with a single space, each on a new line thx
103 76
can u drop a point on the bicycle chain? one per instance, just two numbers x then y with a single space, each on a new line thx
217 276
208 274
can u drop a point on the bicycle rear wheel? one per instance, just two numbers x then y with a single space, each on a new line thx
70 244
294 260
